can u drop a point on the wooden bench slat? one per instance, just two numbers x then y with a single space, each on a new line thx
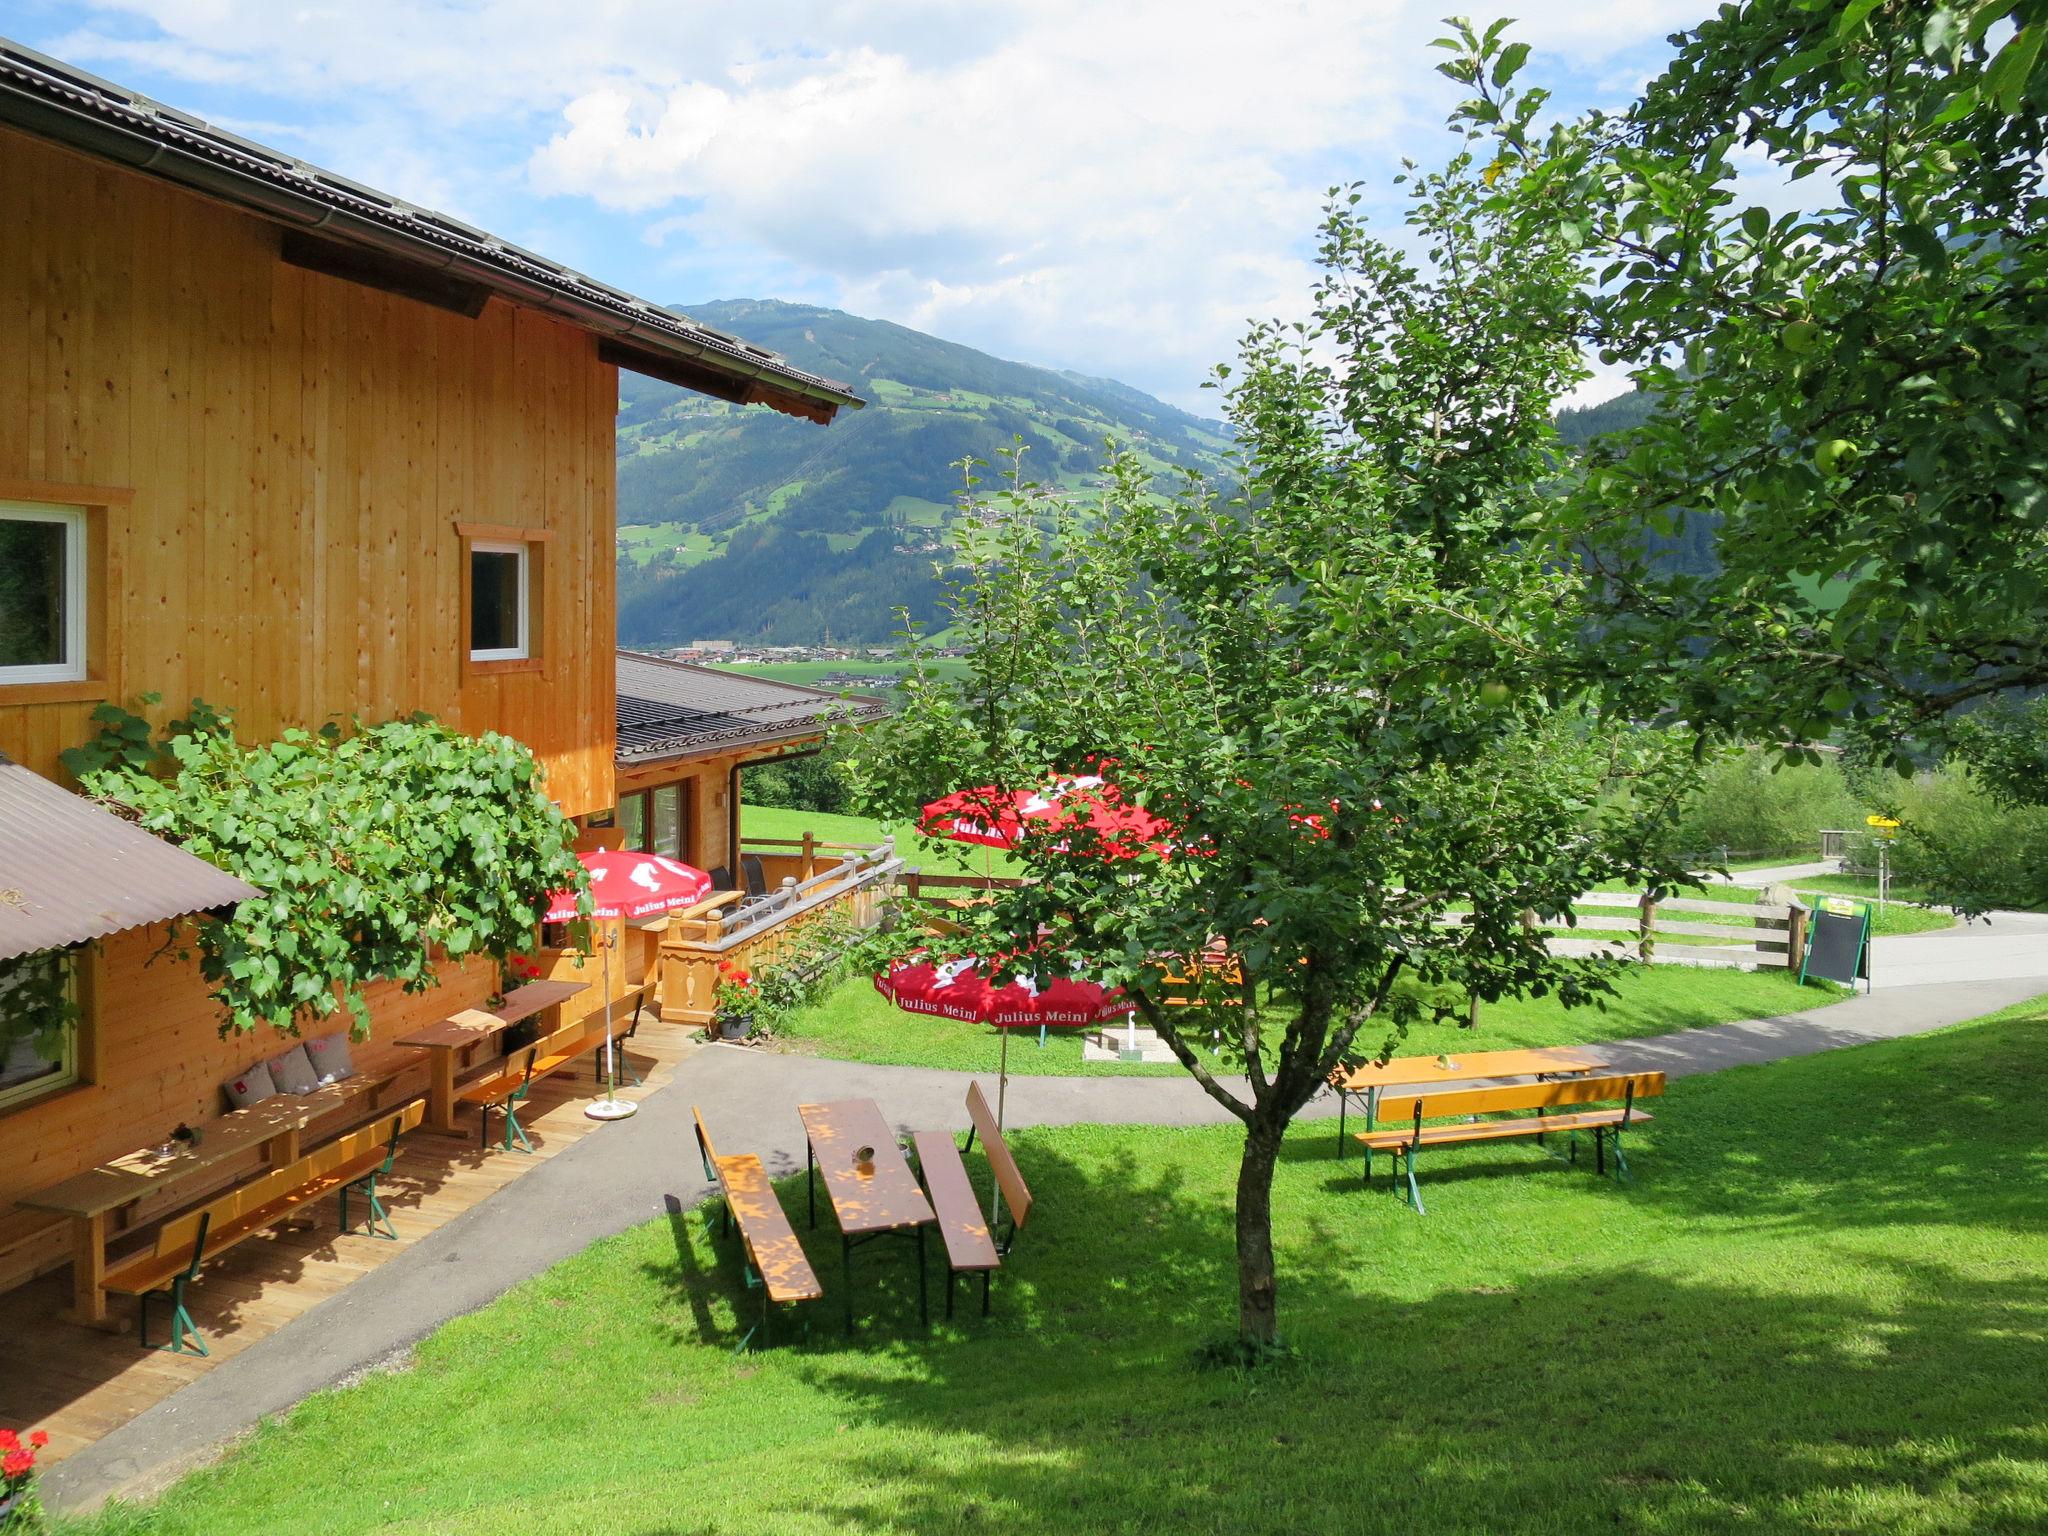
244 1212
778 1255
1393 1137
555 1051
966 1234
1008 1176
1442 1102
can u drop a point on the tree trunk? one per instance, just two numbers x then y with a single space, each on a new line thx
1258 1314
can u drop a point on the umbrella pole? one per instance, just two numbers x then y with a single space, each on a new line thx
995 1192
611 1106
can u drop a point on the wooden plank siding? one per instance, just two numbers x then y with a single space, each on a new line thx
299 449
286 456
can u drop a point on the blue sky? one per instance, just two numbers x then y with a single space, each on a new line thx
1111 187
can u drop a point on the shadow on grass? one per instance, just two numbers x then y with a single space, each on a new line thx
1819 1364
1569 1400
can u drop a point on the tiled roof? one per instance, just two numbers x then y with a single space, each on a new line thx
673 709
52 100
72 871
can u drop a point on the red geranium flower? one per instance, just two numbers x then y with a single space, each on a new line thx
9 1441
17 1462
39 1439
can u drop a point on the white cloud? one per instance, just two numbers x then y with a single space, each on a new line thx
1108 185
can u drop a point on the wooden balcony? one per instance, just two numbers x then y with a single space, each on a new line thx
807 880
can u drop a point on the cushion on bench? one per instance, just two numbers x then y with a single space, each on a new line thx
961 1224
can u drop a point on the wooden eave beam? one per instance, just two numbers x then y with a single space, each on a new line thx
386 274
705 380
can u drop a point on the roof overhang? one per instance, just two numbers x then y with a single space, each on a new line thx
71 871
351 230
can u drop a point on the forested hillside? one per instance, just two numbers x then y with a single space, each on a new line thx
745 524
1691 546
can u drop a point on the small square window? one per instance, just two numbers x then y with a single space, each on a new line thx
42 593
498 602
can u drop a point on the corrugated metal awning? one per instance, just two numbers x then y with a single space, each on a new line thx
70 871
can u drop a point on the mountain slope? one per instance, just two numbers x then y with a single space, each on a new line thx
745 524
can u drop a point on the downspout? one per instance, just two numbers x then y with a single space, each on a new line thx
732 797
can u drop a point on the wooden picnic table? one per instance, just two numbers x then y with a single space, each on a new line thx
881 1198
89 1198
1464 1066
446 1041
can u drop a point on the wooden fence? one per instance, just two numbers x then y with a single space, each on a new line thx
1759 936
1766 936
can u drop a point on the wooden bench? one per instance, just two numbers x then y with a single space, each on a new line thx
971 1248
184 1243
504 1084
1405 1140
776 1264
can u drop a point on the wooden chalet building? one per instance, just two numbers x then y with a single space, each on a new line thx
279 441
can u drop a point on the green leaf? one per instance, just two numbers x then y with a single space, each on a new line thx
1924 246
1510 60
2009 72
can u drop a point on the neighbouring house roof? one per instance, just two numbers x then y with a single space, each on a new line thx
338 226
672 709
71 871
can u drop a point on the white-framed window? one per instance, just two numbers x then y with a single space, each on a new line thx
42 593
39 1024
499 600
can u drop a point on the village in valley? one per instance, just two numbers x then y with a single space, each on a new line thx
620 916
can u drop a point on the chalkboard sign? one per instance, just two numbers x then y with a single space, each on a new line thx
1838 941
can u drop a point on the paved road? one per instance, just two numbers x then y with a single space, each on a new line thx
1999 947
1779 875
625 1175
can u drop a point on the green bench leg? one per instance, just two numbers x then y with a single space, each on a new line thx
1414 1192
379 1224
182 1326
514 1128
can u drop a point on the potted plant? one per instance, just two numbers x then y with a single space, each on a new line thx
735 1003
20 1509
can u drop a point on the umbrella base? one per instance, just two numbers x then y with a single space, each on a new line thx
611 1109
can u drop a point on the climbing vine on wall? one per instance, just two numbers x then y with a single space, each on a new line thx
380 850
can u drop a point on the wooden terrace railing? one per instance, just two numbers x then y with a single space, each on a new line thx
807 879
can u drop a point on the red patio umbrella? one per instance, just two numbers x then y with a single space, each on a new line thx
997 818
960 987
625 884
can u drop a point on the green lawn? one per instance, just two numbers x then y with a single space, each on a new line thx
856 1023
1820 1307
946 859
